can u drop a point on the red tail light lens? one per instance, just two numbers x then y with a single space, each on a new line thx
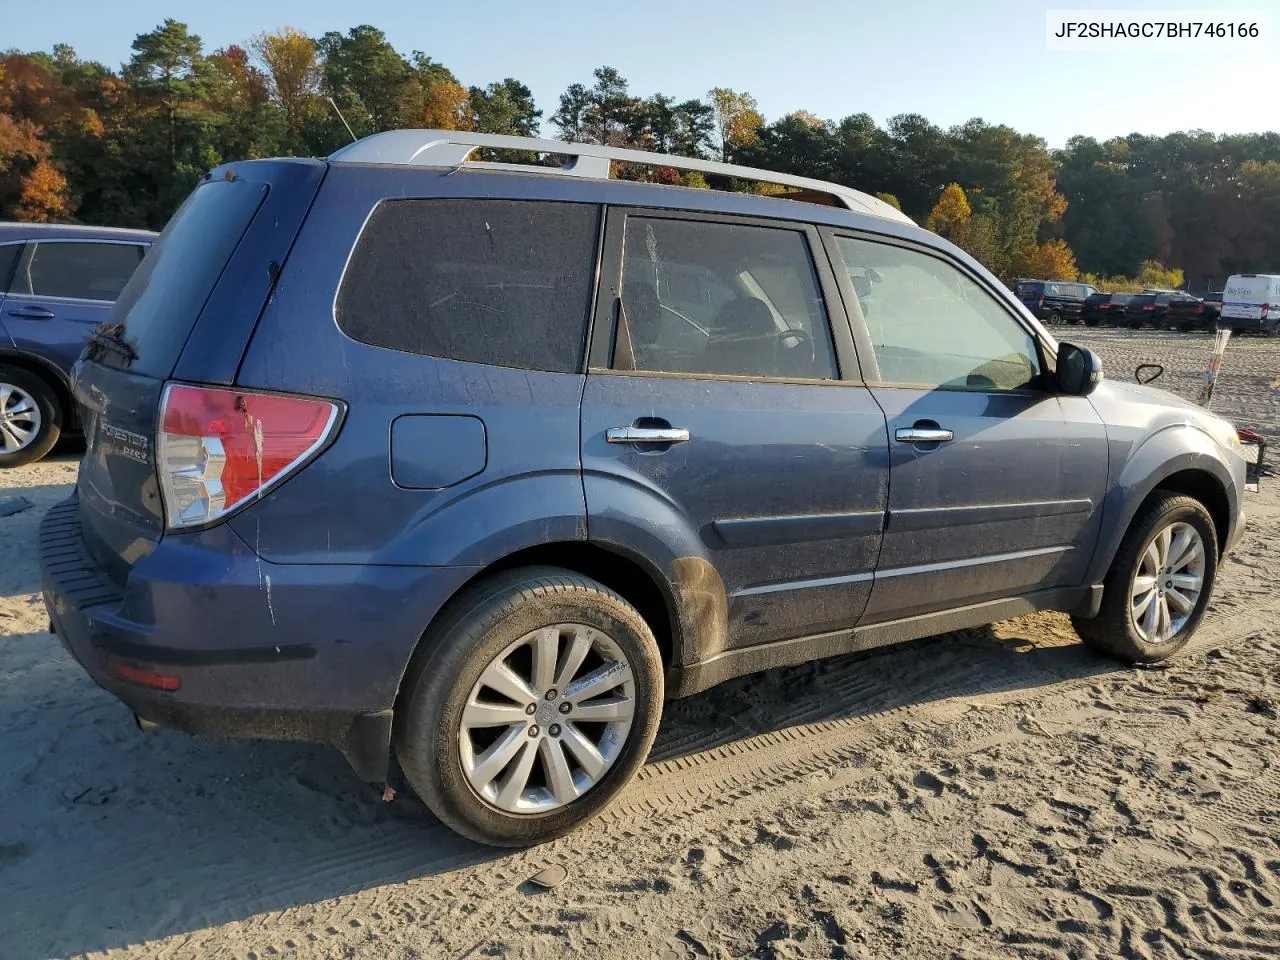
1148 307
219 448
1266 308
144 678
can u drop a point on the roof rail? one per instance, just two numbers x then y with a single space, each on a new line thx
453 148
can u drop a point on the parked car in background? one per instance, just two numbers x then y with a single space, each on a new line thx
1054 301
1184 312
1145 309
1100 308
1251 303
481 463
56 283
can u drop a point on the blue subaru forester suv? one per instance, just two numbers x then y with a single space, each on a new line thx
57 282
417 451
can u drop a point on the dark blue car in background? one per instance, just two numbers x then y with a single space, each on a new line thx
56 283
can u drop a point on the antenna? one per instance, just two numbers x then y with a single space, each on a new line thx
354 138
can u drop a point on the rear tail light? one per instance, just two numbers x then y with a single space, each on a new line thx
1149 307
1266 308
1199 308
1041 303
220 448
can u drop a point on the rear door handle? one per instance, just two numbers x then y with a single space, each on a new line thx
646 434
922 435
32 313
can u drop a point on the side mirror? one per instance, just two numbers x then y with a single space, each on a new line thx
1079 370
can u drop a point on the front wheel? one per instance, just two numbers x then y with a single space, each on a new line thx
535 701
1159 584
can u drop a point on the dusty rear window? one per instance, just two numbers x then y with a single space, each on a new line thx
503 282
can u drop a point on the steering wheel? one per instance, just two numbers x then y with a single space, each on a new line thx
799 338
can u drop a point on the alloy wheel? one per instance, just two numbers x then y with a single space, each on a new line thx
547 719
19 418
1167 584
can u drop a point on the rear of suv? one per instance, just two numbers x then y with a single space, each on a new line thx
411 451
57 282
1054 301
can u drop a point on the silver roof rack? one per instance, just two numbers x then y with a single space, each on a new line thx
453 148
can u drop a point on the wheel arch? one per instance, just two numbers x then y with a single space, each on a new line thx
636 579
1190 472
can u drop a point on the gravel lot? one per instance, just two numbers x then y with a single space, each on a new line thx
993 793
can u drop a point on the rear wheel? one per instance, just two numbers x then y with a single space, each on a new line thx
1055 316
536 701
1159 584
30 418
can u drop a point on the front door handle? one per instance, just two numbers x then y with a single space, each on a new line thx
32 313
922 435
646 434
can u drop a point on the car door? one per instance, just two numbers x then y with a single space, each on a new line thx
61 289
724 426
995 481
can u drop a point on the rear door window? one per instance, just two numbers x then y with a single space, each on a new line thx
80 270
758 312
502 282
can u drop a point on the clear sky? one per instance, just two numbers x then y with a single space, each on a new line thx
949 60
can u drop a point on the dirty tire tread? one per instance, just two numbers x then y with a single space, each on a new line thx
50 417
1111 631
463 640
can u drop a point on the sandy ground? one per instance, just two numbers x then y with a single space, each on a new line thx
994 793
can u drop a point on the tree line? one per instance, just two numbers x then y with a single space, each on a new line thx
80 141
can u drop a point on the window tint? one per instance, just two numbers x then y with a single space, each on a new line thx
502 282
720 298
9 256
933 326
160 306
84 270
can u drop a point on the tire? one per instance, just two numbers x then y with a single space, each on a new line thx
1055 316
493 622
30 406
1114 630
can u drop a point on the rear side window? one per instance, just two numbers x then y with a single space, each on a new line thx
9 255
161 303
502 282
80 270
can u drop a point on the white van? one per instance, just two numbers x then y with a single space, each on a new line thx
1251 301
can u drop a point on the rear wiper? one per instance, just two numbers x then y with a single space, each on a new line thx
109 338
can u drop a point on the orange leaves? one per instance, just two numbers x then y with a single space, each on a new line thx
448 106
43 195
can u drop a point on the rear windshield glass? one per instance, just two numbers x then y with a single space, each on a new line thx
503 282
160 305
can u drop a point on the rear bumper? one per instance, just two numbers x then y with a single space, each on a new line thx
260 650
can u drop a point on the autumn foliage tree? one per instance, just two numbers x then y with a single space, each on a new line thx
81 141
